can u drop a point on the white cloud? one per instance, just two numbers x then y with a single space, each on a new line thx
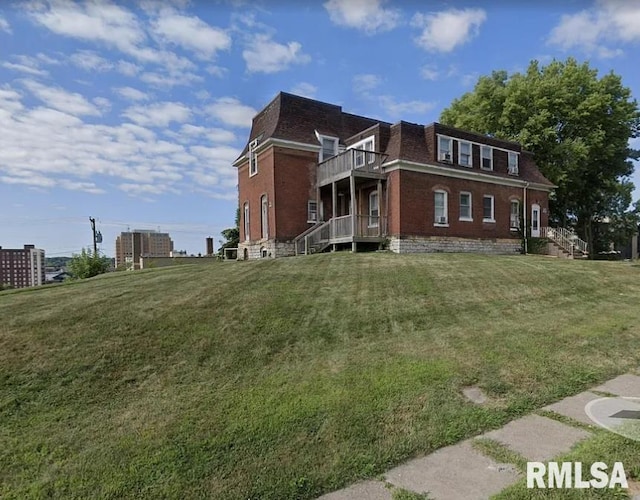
128 68
23 68
4 25
263 55
90 61
103 103
398 109
612 21
131 94
57 98
429 73
170 79
366 15
190 33
159 114
366 82
231 111
46 148
304 89
444 31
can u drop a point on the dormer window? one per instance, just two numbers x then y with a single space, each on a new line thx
329 147
445 149
513 163
464 153
360 155
487 157
253 157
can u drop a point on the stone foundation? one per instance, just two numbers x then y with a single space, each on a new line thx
435 244
266 249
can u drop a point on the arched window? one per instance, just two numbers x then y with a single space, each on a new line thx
246 222
264 216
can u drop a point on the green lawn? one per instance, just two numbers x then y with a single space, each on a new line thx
288 378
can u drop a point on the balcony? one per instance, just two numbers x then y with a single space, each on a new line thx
355 162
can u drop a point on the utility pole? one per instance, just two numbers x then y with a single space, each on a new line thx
95 240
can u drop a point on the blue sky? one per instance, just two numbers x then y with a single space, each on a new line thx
133 112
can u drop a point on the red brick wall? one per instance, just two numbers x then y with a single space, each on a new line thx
414 199
295 179
250 189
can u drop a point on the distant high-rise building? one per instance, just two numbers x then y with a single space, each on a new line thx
132 245
23 267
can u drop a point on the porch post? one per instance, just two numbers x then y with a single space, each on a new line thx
352 186
380 208
334 211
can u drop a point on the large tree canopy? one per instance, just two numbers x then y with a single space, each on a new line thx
577 125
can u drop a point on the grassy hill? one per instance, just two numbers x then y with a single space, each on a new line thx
289 378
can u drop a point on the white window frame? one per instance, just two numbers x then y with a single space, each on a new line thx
493 208
312 213
470 164
247 227
360 158
514 222
470 217
483 149
264 216
513 165
441 220
449 151
374 222
253 158
322 138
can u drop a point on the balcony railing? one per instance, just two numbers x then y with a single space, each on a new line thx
351 160
340 230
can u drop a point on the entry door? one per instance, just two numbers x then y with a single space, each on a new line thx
535 221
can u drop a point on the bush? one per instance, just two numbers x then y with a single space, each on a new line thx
537 246
87 265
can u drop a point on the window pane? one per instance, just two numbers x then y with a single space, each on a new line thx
440 206
487 207
465 206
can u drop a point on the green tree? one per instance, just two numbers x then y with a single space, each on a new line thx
87 265
231 236
577 125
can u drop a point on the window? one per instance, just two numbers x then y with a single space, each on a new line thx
487 158
329 147
253 157
513 163
264 216
312 211
440 207
246 222
464 153
465 206
374 209
487 209
445 149
360 157
514 216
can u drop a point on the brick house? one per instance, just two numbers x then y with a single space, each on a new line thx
313 177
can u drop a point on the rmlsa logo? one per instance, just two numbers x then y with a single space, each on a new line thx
570 475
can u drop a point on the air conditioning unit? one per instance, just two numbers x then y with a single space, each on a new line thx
441 220
446 157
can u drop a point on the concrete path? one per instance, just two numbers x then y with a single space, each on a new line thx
462 472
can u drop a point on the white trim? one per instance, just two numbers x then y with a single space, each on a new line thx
491 219
470 164
479 143
511 203
283 143
321 139
246 217
376 223
482 157
535 208
253 156
264 217
447 155
311 220
441 221
470 218
472 175
361 146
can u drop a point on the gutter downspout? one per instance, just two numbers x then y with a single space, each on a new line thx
525 210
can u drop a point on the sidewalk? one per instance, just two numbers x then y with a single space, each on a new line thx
462 472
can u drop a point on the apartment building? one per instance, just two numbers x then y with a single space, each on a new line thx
313 177
21 268
132 245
